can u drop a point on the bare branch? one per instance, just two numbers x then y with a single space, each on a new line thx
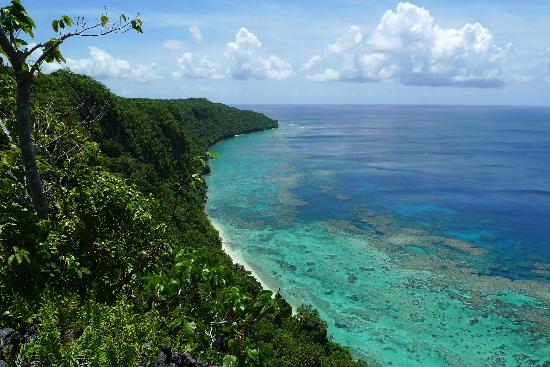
29 52
116 27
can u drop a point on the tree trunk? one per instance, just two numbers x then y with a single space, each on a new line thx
24 129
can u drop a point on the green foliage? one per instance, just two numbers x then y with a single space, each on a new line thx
128 250
72 332
15 18
136 25
209 314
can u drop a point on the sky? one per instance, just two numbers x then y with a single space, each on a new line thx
477 52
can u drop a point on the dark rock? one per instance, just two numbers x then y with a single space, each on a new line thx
10 342
355 297
169 358
9 338
352 279
341 325
329 292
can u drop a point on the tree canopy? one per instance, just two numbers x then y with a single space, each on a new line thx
128 263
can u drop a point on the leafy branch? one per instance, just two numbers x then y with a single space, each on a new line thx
14 21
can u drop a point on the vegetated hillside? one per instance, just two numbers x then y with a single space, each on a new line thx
128 263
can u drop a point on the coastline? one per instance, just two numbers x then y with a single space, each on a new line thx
237 257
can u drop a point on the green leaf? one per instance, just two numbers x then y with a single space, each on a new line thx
67 20
55 26
20 41
136 25
19 254
229 361
177 322
189 327
104 20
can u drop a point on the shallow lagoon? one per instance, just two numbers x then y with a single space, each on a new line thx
420 233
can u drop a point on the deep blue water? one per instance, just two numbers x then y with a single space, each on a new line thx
481 174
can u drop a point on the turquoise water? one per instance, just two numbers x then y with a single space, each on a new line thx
421 234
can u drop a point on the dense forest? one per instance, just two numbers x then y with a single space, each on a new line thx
127 267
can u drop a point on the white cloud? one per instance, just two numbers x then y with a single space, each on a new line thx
172 44
408 46
204 68
314 60
347 42
145 73
102 65
196 33
248 63
327 75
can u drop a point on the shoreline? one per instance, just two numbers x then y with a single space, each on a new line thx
238 258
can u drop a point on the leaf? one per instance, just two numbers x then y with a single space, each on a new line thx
19 254
55 26
189 327
67 20
136 24
229 361
60 58
177 322
20 41
104 20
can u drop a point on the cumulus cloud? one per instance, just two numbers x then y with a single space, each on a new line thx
102 65
203 68
172 44
196 33
243 60
145 73
408 46
247 62
327 75
314 60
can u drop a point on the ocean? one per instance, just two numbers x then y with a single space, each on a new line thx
420 233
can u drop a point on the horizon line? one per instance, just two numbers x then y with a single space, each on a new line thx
387 104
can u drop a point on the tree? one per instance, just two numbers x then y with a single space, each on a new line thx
15 23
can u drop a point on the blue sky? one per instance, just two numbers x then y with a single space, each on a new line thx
346 51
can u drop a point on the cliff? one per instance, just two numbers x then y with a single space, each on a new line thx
128 263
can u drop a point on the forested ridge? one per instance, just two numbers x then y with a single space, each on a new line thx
127 266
